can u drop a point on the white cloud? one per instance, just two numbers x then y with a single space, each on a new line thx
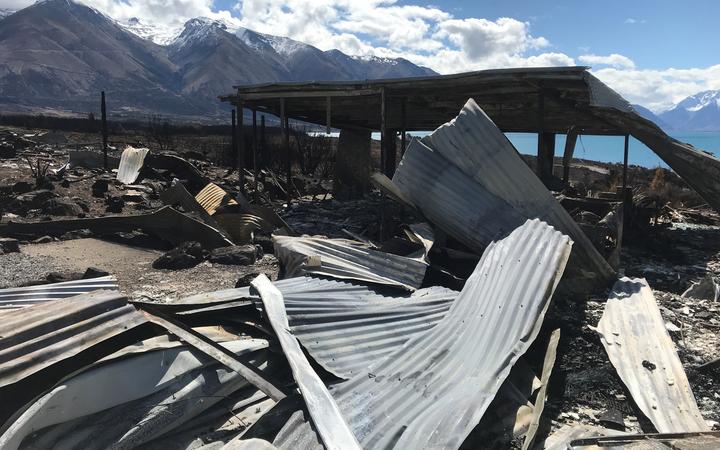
658 90
425 35
614 60
633 21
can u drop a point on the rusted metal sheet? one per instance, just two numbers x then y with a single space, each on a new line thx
131 161
468 179
633 333
432 392
43 343
326 417
22 297
345 259
211 198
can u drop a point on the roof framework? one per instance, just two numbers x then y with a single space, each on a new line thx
518 100
535 100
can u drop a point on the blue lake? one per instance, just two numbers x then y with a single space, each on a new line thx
610 148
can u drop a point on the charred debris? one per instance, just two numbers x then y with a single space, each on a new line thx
458 298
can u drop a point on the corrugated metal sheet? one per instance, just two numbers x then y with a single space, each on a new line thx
348 327
345 259
633 333
13 298
39 336
432 392
452 200
131 378
131 162
43 343
211 197
328 421
602 96
476 147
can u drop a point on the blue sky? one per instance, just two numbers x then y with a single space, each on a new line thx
654 53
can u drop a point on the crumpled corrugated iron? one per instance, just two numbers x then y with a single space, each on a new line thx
328 421
633 333
22 297
345 259
431 392
131 161
43 343
468 179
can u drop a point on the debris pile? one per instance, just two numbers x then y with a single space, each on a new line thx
477 310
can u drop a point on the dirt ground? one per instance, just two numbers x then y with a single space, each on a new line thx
132 266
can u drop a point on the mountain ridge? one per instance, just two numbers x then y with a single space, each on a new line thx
57 55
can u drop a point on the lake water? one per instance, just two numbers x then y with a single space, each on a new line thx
610 148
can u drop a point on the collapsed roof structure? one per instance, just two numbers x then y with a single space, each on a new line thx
547 101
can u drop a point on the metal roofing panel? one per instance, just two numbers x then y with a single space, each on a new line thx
473 143
345 259
211 198
131 378
348 327
328 421
41 335
433 391
452 200
21 297
131 162
633 333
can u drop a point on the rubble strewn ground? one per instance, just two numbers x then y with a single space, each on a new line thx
584 387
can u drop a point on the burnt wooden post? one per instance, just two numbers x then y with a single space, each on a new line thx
233 138
383 131
546 145
262 151
328 115
403 143
625 164
103 116
241 148
570 141
284 124
254 153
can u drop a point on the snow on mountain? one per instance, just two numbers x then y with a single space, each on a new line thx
4 12
261 42
699 112
159 34
700 100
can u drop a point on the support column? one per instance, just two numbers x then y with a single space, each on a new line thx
546 155
254 154
284 123
241 148
353 164
625 164
383 132
233 139
570 141
103 116
403 143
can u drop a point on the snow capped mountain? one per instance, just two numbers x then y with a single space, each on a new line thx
59 54
700 100
699 112
159 34
4 12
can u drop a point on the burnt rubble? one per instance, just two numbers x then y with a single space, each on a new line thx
167 303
